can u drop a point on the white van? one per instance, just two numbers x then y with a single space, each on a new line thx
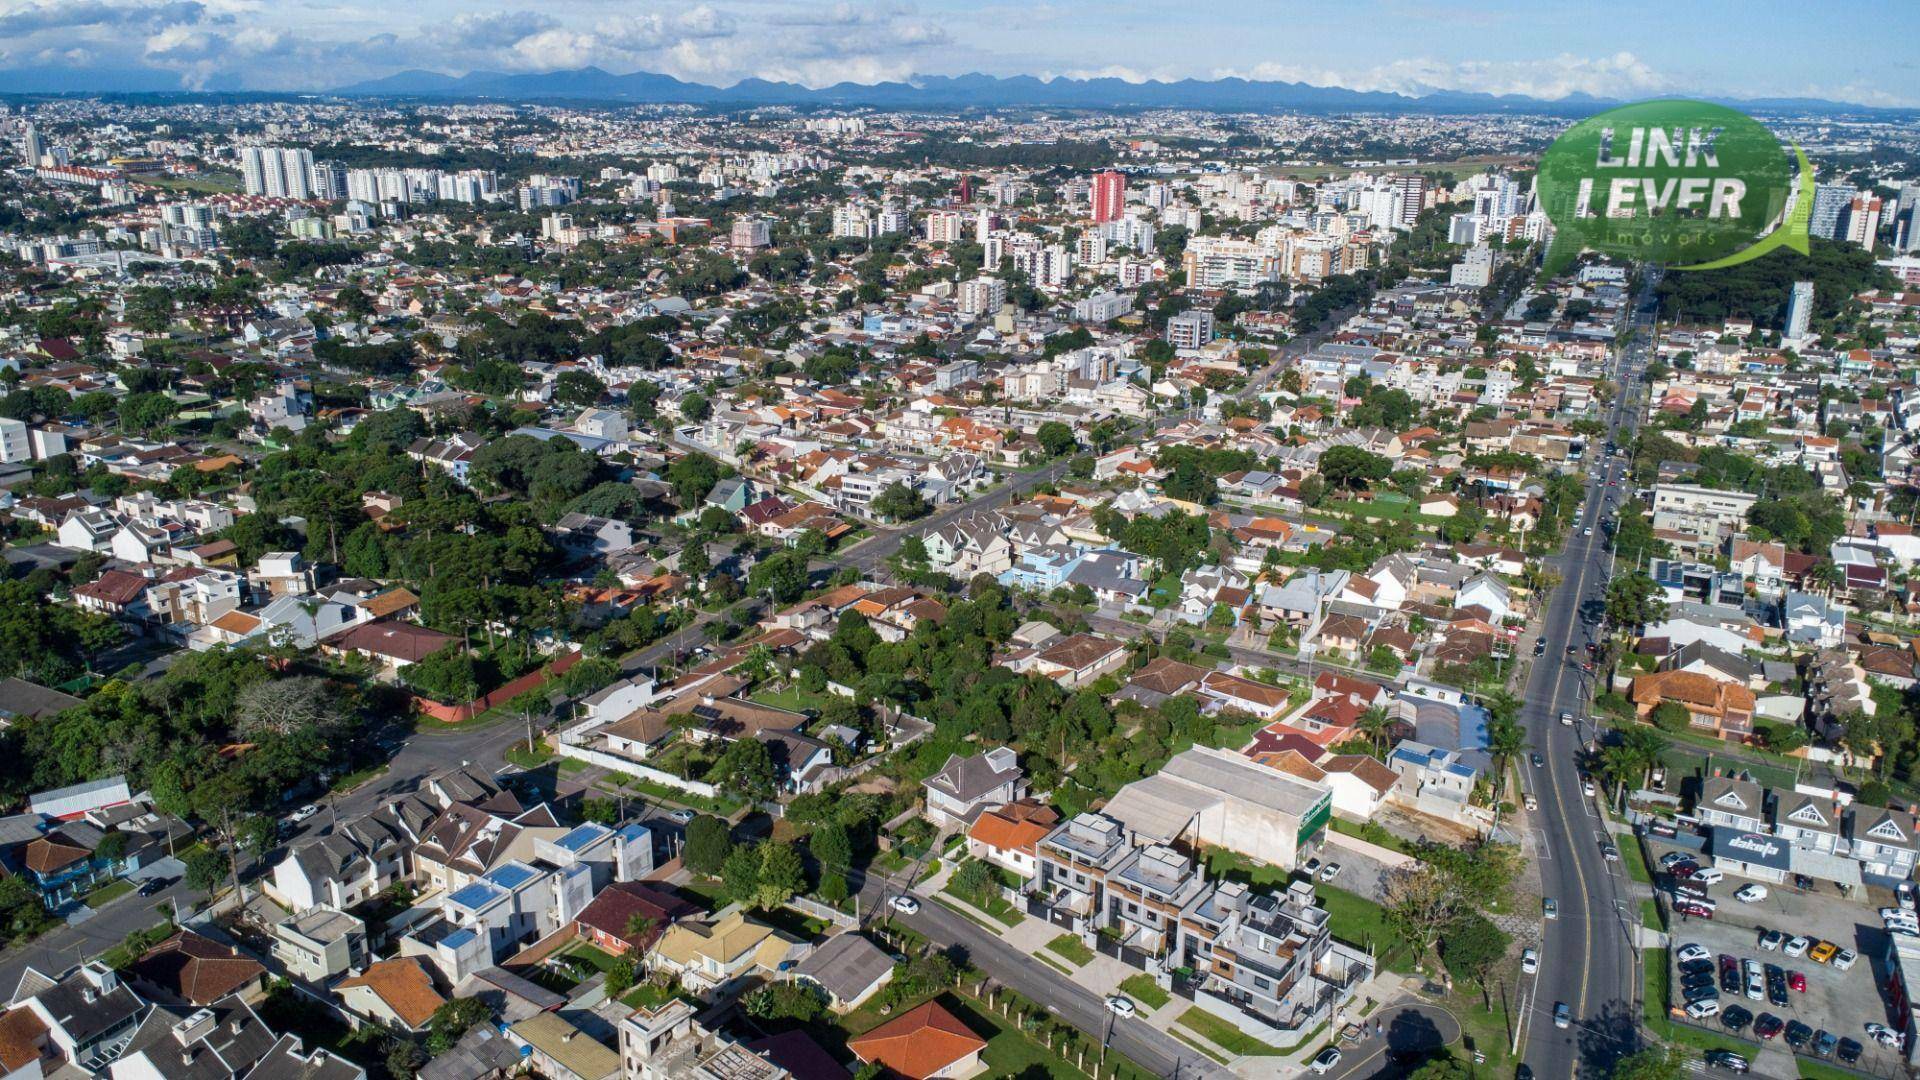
1708 875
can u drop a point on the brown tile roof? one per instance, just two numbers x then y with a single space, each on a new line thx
196 969
405 987
22 1033
1164 675
1691 688
618 903
1015 826
919 1043
53 852
390 602
396 640
1366 769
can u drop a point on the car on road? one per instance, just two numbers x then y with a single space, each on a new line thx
1325 1060
1532 802
1549 908
151 886
1751 893
1539 646
1735 1018
1588 531
1609 852
1849 1051
1767 1025
1562 1015
682 816
1120 1006
1538 761
1566 718
905 905
1691 952
1703 1008
1330 871
1530 961
1727 1060
303 813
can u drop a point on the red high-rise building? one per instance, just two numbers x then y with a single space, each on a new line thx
1109 196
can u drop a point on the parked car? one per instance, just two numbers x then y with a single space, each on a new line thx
1735 1018
1609 852
682 816
1708 875
1798 945
1684 869
1844 959
1798 1034
1330 871
1756 985
1672 859
1767 1025
1883 1034
1123 1006
1797 981
1692 951
1530 961
1824 1043
151 886
1770 940
1822 952
1905 892
1751 893
1693 909
1705 991
906 905
1325 1060
1727 1060
1586 788
1849 1051
1703 1008
1312 867
304 813
1729 974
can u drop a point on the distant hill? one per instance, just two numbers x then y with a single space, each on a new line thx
974 90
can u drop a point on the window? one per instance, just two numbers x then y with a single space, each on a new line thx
1260 983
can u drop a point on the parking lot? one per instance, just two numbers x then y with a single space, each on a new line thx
1841 1002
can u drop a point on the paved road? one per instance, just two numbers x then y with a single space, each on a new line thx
1587 959
1413 1030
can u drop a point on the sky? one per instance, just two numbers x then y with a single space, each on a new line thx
1624 49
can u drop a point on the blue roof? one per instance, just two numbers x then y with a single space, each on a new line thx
476 895
513 875
582 835
458 938
634 831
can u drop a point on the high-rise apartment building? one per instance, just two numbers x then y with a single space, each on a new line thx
277 172
1799 311
1862 220
1109 195
1830 202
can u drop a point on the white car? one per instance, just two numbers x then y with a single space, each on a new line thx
1708 875
1330 871
1703 1009
1883 1034
1844 959
1325 1060
304 812
1798 945
682 816
1586 788
905 905
1751 893
1905 891
1120 1006
1894 914
1530 961
1690 953
1566 719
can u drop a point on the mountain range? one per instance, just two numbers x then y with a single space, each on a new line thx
943 92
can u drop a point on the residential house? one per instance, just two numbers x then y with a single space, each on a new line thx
320 944
1732 802
715 958
1007 836
921 1044
965 786
397 994
848 968
1713 706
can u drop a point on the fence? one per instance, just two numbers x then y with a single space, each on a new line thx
454 714
818 910
634 768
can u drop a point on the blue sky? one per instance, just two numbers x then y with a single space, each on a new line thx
1863 52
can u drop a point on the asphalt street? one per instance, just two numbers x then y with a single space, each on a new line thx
1587 960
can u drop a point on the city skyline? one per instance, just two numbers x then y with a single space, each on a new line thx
1548 52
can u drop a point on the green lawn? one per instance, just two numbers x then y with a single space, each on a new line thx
1144 991
648 996
111 891
519 755
994 905
1071 947
1225 1035
587 953
355 779
1650 915
1634 858
792 699
1360 922
702 894
1234 866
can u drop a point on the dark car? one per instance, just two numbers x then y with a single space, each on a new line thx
1704 992
1684 870
1729 974
1767 1025
1777 986
1728 1060
1798 1034
1735 1018
1824 1042
1539 646
151 886
1849 1051
1697 967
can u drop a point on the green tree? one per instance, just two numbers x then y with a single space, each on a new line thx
1471 945
740 876
1671 716
451 1020
709 842
1056 438
1652 1063
782 874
